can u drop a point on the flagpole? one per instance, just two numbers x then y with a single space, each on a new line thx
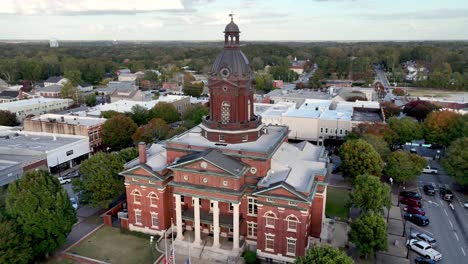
173 249
165 243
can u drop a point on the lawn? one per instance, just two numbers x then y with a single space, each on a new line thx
109 245
336 203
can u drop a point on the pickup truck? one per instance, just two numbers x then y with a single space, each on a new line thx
430 170
424 249
63 180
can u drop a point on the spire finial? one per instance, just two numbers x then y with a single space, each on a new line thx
232 16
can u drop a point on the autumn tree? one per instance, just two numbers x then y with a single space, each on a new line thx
390 109
377 129
403 166
398 92
406 128
42 209
324 254
370 194
441 127
156 129
359 157
455 161
419 109
8 118
379 144
165 111
369 233
117 131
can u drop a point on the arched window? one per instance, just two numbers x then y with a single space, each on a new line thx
136 196
153 199
225 112
292 223
270 219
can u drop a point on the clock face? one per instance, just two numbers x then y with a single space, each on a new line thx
224 72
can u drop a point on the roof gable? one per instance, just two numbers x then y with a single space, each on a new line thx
282 189
142 170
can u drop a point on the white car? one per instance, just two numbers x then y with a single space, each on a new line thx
74 203
465 204
430 170
63 180
424 249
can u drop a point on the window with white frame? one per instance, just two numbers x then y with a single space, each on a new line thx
252 229
231 207
221 138
270 219
225 112
245 138
211 206
182 199
326 130
138 220
252 206
291 246
292 223
341 131
321 130
154 220
269 242
136 197
153 199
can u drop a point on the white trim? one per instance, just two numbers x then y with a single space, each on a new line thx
232 132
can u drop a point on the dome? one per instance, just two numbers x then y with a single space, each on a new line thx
231 27
234 60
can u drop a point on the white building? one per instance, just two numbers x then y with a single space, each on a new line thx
35 106
55 80
54 43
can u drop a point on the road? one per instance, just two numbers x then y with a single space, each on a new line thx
449 227
381 77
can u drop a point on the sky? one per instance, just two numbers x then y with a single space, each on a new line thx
273 20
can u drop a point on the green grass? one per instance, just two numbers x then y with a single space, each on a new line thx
337 198
110 245
59 260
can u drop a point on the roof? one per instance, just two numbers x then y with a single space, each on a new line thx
54 79
72 120
9 94
367 114
231 27
233 59
123 106
33 102
55 88
156 157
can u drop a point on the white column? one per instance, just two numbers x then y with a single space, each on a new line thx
236 227
215 224
197 220
180 235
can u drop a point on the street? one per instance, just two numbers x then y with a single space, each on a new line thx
449 227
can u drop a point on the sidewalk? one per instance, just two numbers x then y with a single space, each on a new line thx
181 257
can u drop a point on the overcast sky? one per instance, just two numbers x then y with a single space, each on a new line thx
313 20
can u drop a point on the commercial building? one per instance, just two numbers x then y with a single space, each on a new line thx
295 96
231 183
36 106
70 125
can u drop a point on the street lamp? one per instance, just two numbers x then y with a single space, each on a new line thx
152 248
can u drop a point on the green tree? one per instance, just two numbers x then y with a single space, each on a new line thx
403 166
101 182
442 127
324 254
370 194
151 76
14 247
406 128
42 209
379 144
109 114
359 157
74 76
455 162
8 118
369 233
193 115
69 91
128 154
156 129
139 115
90 99
117 131
165 111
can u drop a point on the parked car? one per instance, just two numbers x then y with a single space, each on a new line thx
74 203
424 237
414 210
465 204
446 194
421 260
430 170
412 195
429 190
424 249
411 202
64 180
73 174
420 220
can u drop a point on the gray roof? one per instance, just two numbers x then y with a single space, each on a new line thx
231 27
367 114
9 94
54 79
55 88
3 83
233 59
32 141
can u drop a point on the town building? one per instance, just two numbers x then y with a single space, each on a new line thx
36 106
295 96
70 125
9 96
55 80
50 91
297 66
3 84
231 183
54 43
131 94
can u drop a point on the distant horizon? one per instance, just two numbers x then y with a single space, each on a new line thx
221 41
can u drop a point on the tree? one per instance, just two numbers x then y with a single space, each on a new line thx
117 132
419 109
455 162
8 118
69 91
193 115
165 111
74 76
324 254
390 109
377 129
128 154
101 182
151 76
14 247
406 128
139 115
90 99
398 92
369 233
194 89
441 127
403 166
359 157
370 194
109 114
379 144
42 209
157 129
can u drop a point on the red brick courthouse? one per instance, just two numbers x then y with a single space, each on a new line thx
231 183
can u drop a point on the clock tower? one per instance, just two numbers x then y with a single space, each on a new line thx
231 118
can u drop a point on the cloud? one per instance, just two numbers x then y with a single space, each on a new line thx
433 14
88 7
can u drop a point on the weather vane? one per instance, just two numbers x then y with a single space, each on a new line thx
232 15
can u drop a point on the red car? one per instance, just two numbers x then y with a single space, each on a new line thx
411 202
414 210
